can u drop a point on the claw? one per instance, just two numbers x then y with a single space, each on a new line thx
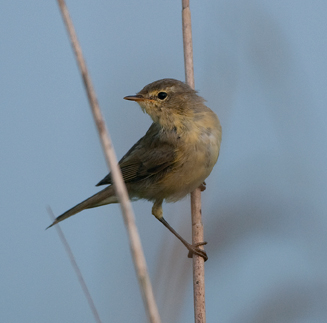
202 187
194 249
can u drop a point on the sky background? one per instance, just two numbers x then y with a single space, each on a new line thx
261 66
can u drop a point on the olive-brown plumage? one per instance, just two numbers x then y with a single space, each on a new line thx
174 157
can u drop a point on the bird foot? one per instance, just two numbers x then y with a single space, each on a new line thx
194 249
203 187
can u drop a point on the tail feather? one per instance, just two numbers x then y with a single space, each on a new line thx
106 196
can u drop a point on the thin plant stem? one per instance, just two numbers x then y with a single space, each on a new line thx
197 226
119 185
76 268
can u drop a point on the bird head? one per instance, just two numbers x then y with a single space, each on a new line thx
167 101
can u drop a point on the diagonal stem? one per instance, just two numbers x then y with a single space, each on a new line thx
76 268
119 185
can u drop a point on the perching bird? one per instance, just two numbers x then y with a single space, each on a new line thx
174 157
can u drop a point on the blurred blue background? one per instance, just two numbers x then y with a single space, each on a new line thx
261 66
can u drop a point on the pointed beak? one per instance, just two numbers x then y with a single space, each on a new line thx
137 97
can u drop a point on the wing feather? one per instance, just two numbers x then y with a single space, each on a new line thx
148 157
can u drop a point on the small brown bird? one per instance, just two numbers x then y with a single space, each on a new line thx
174 157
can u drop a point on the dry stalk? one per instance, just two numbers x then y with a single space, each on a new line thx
197 226
76 269
119 185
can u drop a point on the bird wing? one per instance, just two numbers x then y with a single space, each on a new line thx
148 157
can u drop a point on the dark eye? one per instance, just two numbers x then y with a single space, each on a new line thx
162 95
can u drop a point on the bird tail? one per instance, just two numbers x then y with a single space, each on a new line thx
103 197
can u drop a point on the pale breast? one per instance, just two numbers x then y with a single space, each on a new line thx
197 156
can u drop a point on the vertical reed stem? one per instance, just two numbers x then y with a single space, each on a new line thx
197 226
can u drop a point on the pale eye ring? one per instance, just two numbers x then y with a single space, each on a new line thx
162 95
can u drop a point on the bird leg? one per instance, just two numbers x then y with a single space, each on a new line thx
193 249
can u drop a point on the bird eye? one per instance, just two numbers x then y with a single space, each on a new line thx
162 95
